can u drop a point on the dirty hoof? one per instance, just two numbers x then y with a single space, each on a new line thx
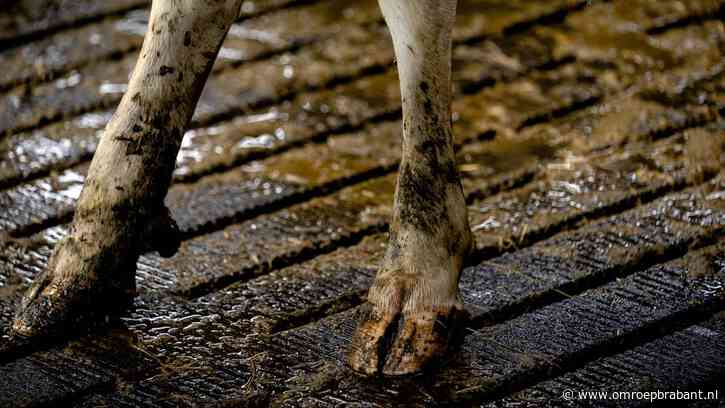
69 295
54 307
402 343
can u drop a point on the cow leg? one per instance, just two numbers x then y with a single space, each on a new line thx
120 212
414 299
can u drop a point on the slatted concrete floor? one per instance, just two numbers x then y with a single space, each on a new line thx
589 135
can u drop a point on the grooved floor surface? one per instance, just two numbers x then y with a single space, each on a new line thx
590 137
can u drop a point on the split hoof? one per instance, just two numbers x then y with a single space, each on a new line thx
54 308
67 297
403 343
87 281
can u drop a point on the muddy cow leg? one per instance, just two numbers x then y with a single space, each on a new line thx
120 212
414 299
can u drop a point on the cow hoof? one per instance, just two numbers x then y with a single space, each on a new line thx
69 295
396 343
55 308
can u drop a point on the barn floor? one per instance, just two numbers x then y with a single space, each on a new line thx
590 137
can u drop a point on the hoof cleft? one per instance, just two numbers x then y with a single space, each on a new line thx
70 295
398 344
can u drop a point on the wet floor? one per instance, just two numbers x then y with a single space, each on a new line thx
590 138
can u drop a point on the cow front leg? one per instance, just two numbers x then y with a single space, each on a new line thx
413 304
120 212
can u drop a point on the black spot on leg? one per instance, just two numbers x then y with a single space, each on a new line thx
133 144
134 147
421 198
136 128
429 149
165 70
428 106
427 103
433 148
187 39
451 173
180 77
122 138
425 182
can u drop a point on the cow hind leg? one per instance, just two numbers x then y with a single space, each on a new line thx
414 303
120 213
